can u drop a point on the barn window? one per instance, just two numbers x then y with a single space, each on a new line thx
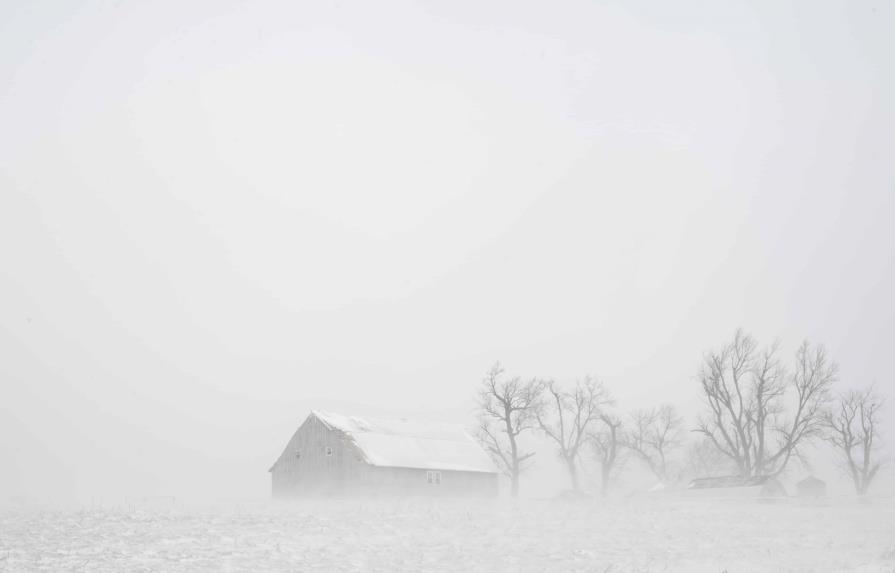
329 451
433 478
297 455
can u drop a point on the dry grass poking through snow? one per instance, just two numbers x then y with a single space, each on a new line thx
637 535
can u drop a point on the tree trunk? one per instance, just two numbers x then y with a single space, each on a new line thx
861 485
514 485
573 472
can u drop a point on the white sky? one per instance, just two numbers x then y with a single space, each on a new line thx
216 215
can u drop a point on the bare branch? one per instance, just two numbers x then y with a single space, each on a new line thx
653 436
852 427
507 408
567 416
607 442
746 391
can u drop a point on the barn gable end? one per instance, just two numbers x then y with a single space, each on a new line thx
331 454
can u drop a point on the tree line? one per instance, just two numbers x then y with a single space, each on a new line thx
759 414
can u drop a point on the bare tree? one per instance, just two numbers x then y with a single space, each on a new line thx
506 409
653 436
705 460
608 443
566 416
852 427
749 395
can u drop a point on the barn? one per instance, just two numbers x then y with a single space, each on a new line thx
333 455
736 486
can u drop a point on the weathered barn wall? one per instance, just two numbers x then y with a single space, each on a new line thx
305 470
413 481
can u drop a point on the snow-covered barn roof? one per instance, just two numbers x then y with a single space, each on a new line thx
411 444
728 481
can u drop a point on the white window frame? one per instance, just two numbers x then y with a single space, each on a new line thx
328 450
433 477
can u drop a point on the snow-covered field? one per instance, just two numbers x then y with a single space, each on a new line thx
663 534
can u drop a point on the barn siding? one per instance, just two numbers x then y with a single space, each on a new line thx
413 481
345 473
315 473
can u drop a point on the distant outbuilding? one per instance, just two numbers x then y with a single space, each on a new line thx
336 455
737 486
812 487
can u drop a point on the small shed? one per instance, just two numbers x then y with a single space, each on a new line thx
336 455
812 487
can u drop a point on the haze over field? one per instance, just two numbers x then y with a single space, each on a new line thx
531 536
217 215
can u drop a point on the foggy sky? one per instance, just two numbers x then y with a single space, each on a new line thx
217 215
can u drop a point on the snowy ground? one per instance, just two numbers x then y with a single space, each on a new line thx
665 534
